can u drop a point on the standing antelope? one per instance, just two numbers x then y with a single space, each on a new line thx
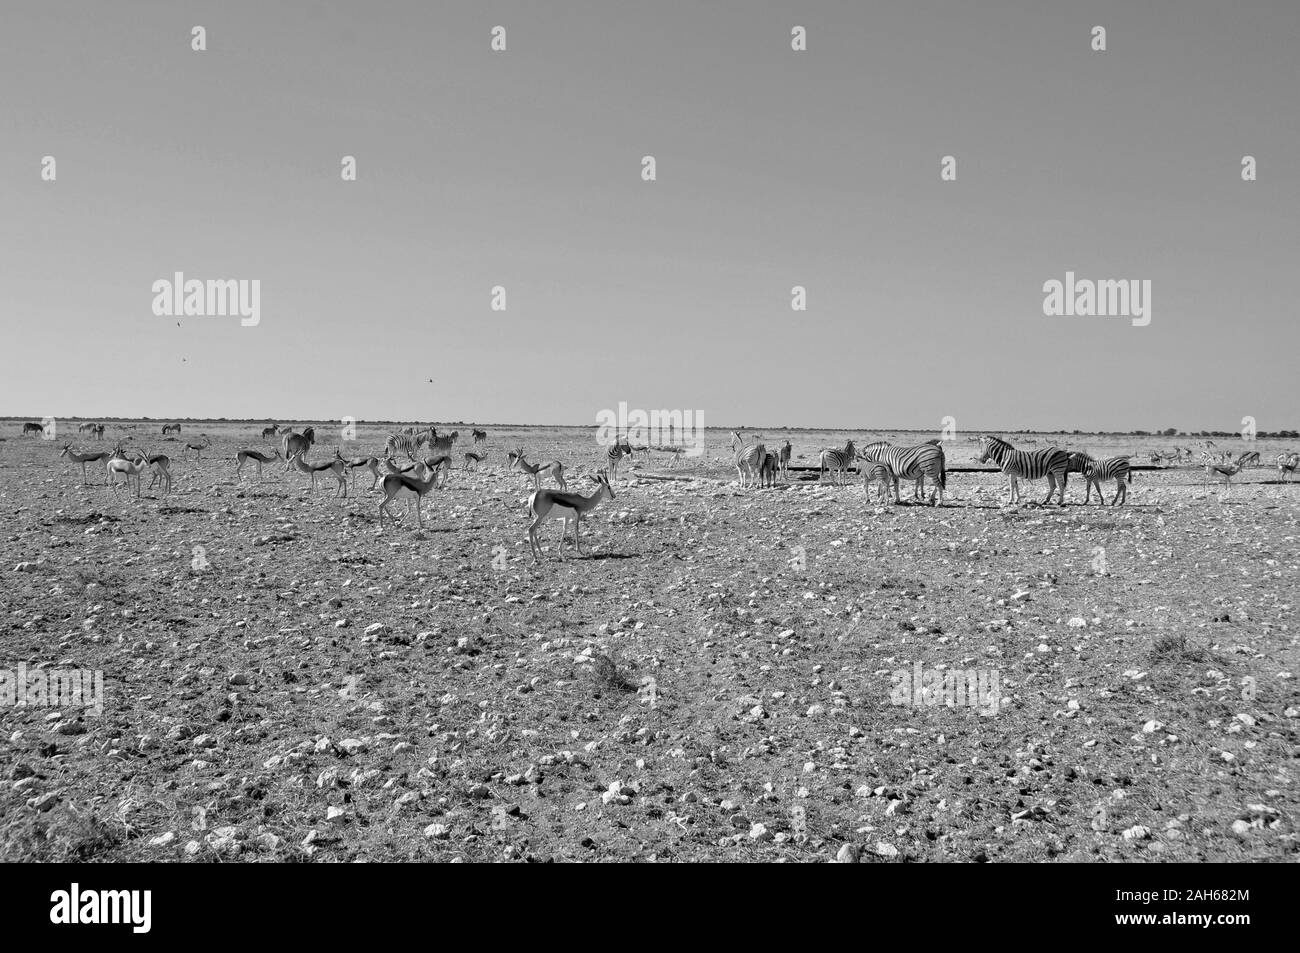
554 467
83 459
569 506
334 466
258 458
439 467
355 463
161 465
1225 470
399 484
128 468
472 459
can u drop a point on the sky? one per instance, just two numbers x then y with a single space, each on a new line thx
774 168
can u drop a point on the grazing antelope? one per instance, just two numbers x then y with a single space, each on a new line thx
439 467
258 458
334 466
83 459
128 468
570 506
399 484
171 428
1286 465
837 461
355 463
31 428
292 444
747 459
472 460
1249 459
161 466
554 467
198 448
480 436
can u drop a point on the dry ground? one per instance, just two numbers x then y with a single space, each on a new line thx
312 688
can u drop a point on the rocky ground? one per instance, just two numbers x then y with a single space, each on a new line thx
712 681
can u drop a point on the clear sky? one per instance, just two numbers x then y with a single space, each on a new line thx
774 169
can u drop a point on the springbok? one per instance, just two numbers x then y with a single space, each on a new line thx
556 469
83 459
571 507
334 466
399 484
258 458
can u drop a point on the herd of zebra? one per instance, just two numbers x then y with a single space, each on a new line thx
883 463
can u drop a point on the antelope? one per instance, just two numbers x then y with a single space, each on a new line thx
32 428
334 466
1225 470
83 459
571 507
129 468
258 458
399 484
198 448
472 459
554 467
480 436
1286 465
161 465
355 463
440 467
294 444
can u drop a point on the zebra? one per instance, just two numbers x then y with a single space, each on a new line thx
270 431
407 443
171 428
912 463
441 445
1286 465
1114 468
768 469
1050 462
480 436
32 429
836 461
748 460
617 452
873 471
783 460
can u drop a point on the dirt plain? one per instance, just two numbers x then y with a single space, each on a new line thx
712 681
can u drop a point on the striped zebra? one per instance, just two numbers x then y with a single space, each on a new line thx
1286 465
911 463
293 444
783 460
768 469
873 471
1050 462
1078 461
748 459
620 449
440 445
480 436
1098 471
837 461
409 444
